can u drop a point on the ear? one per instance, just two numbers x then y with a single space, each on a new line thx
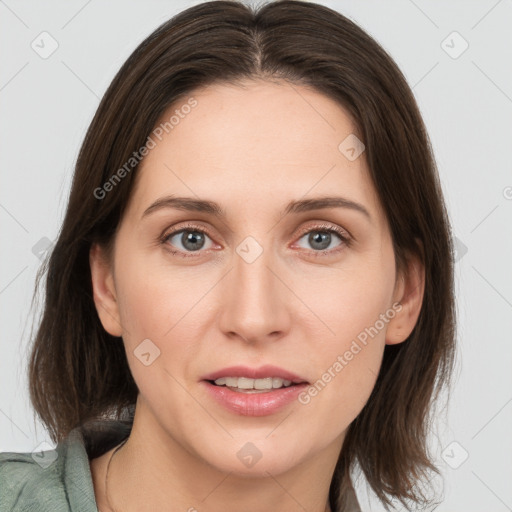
104 292
409 292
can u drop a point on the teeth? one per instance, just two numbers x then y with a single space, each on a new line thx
262 383
246 383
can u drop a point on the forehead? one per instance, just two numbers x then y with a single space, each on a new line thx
256 143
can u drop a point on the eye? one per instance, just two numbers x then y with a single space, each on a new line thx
187 240
320 239
190 240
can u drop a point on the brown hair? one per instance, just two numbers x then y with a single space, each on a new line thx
78 372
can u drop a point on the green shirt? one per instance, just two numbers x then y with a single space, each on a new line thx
40 482
60 480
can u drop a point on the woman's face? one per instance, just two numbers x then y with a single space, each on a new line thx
194 290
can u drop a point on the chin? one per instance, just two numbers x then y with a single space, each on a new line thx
258 459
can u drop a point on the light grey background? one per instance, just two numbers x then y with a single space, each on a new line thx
47 104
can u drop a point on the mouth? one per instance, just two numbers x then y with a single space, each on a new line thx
254 391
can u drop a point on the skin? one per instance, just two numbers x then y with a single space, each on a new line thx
252 149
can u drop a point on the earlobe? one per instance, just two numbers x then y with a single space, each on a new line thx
409 294
104 292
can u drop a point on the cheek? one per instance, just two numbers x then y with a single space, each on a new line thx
348 344
164 306
160 325
153 296
342 302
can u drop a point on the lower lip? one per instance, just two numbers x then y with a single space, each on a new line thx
254 404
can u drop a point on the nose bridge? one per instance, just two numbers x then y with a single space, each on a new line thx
254 304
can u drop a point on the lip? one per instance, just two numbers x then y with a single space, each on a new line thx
254 404
267 370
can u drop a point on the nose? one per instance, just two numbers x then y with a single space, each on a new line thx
255 299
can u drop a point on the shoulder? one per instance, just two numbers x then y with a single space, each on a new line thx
21 479
57 479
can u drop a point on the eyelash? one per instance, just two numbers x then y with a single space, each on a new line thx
323 228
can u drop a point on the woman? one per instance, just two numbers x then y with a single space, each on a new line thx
252 291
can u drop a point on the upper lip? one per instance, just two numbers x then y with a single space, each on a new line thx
267 370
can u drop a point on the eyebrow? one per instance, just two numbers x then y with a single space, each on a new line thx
192 204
